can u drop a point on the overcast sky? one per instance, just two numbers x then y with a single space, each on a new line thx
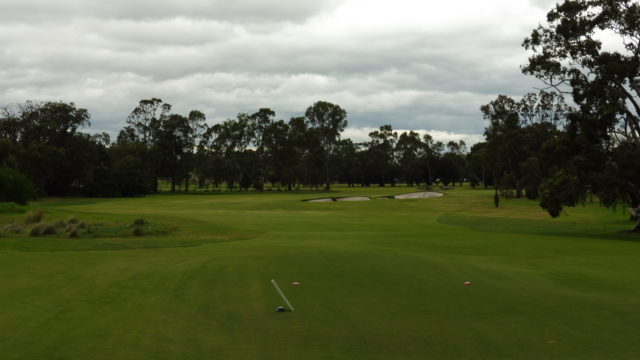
415 64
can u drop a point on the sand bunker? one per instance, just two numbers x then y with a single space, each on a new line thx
419 195
321 200
354 198
415 195
351 198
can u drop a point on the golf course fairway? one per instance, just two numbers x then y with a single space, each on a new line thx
379 279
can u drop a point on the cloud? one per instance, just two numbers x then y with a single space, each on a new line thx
412 64
238 10
359 135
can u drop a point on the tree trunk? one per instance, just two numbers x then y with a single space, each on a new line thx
518 190
635 215
326 173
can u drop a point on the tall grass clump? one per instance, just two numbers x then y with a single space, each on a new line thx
73 232
12 229
42 229
59 224
33 217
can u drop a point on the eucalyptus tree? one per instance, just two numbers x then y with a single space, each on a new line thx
409 149
259 122
145 121
277 157
432 152
300 142
381 152
232 138
590 49
47 144
327 122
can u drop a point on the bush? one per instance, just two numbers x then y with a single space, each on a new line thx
15 187
42 229
139 222
33 217
73 232
59 224
73 220
138 231
82 225
13 229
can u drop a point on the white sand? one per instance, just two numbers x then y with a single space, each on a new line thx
321 200
419 195
354 198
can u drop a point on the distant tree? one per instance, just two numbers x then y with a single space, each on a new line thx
432 152
144 123
259 124
232 137
48 147
349 167
381 151
300 142
409 149
480 165
328 121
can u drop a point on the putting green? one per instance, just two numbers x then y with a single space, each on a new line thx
380 279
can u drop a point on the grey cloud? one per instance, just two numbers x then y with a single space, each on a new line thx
237 10
203 57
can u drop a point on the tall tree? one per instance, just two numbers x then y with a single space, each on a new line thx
259 122
409 149
329 121
381 152
570 53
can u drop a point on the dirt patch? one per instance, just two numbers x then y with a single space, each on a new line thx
419 195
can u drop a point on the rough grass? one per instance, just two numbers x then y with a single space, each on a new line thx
381 279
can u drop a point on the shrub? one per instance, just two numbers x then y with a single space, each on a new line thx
73 232
137 231
73 220
42 229
15 186
12 229
59 224
139 222
33 217
82 225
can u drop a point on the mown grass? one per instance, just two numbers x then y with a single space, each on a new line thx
381 279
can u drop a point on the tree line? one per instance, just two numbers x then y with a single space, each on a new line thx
561 155
536 146
45 150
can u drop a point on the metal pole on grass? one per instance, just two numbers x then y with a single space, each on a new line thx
281 294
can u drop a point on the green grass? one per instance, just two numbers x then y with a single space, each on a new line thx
381 279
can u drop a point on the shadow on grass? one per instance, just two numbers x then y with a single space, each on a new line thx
617 230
